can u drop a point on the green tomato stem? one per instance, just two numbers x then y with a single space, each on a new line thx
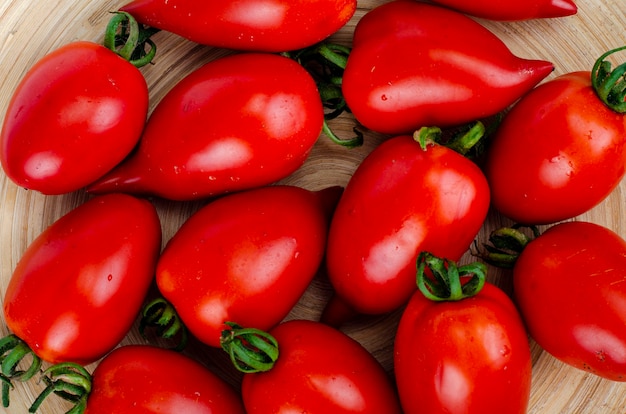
13 351
467 140
161 315
128 39
506 244
445 283
610 84
70 381
250 350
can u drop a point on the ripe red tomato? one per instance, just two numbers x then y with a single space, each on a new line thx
559 152
238 122
569 287
147 379
259 25
319 370
468 356
415 64
401 200
513 10
80 285
246 257
77 113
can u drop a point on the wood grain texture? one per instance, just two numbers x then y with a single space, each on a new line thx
31 28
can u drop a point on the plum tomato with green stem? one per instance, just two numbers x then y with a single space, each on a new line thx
315 369
246 257
409 194
80 285
415 64
569 285
241 121
461 346
561 150
78 111
249 25
141 378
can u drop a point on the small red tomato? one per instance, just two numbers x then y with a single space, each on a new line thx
513 10
464 352
415 64
259 25
80 285
236 123
77 113
146 379
401 200
560 151
319 370
246 257
569 285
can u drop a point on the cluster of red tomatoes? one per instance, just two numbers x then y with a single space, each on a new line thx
469 126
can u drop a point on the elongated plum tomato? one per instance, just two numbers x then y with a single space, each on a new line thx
513 10
462 354
80 285
77 113
246 257
239 122
415 64
561 150
252 25
319 370
401 200
569 284
146 379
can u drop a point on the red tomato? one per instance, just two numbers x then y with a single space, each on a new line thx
238 122
569 287
400 201
467 356
415 64
559 152
319 370
146 379
260 25
513 10
246 258
80 285
77 113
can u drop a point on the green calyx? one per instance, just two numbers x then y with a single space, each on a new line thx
445 281
251 350
130 40
326 63
505 245
14 351
610 84
161 315
467 140
69 381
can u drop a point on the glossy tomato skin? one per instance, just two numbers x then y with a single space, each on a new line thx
319 370
557 154
569 287
415 64
239 122
80 284
147 379
470 356
252 25
401 200
245 258
75 115
513 10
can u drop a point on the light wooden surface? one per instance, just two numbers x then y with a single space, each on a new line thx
31 28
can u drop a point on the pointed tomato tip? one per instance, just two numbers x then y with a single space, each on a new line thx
560 8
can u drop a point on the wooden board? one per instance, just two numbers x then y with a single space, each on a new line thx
30 28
